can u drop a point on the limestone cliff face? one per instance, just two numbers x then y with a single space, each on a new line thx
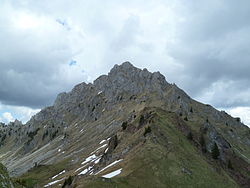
121 79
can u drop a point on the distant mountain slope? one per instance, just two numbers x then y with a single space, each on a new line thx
130 128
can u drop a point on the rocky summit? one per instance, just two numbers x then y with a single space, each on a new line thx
128 129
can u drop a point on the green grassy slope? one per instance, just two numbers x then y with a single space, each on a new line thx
166 158
5 180
37 176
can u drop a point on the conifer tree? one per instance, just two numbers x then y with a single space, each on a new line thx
215 151
229 164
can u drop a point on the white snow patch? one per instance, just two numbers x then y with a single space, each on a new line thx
106 150
113 174
59 150
90 158
103 146
58 174
80 168
109 166
102 141
99 92
97 160
99 148
81 130
85 170
53 182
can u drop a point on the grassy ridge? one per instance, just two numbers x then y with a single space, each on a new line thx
166 159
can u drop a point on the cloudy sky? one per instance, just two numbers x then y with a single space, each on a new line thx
48 46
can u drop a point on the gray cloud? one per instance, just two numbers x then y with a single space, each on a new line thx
202 46
213 48
34 52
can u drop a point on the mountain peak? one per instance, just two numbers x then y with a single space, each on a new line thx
128 78
124 67
130 114
123 78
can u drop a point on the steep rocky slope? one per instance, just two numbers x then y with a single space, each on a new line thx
133 125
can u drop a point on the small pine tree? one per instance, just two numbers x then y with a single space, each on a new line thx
203 144
146 131
215 151
141 121
229 165
190 136
191 109
202 140
185 118
68 182
124 125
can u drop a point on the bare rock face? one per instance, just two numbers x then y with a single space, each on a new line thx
127 78
123 78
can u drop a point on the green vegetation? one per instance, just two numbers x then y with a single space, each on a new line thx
190 136
124 125
191 109
237 119
54 134
159 165
141 121
229 165
215 151
45 134
33 133
147 130
37 176
68 181
5 180
203 144
3 137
